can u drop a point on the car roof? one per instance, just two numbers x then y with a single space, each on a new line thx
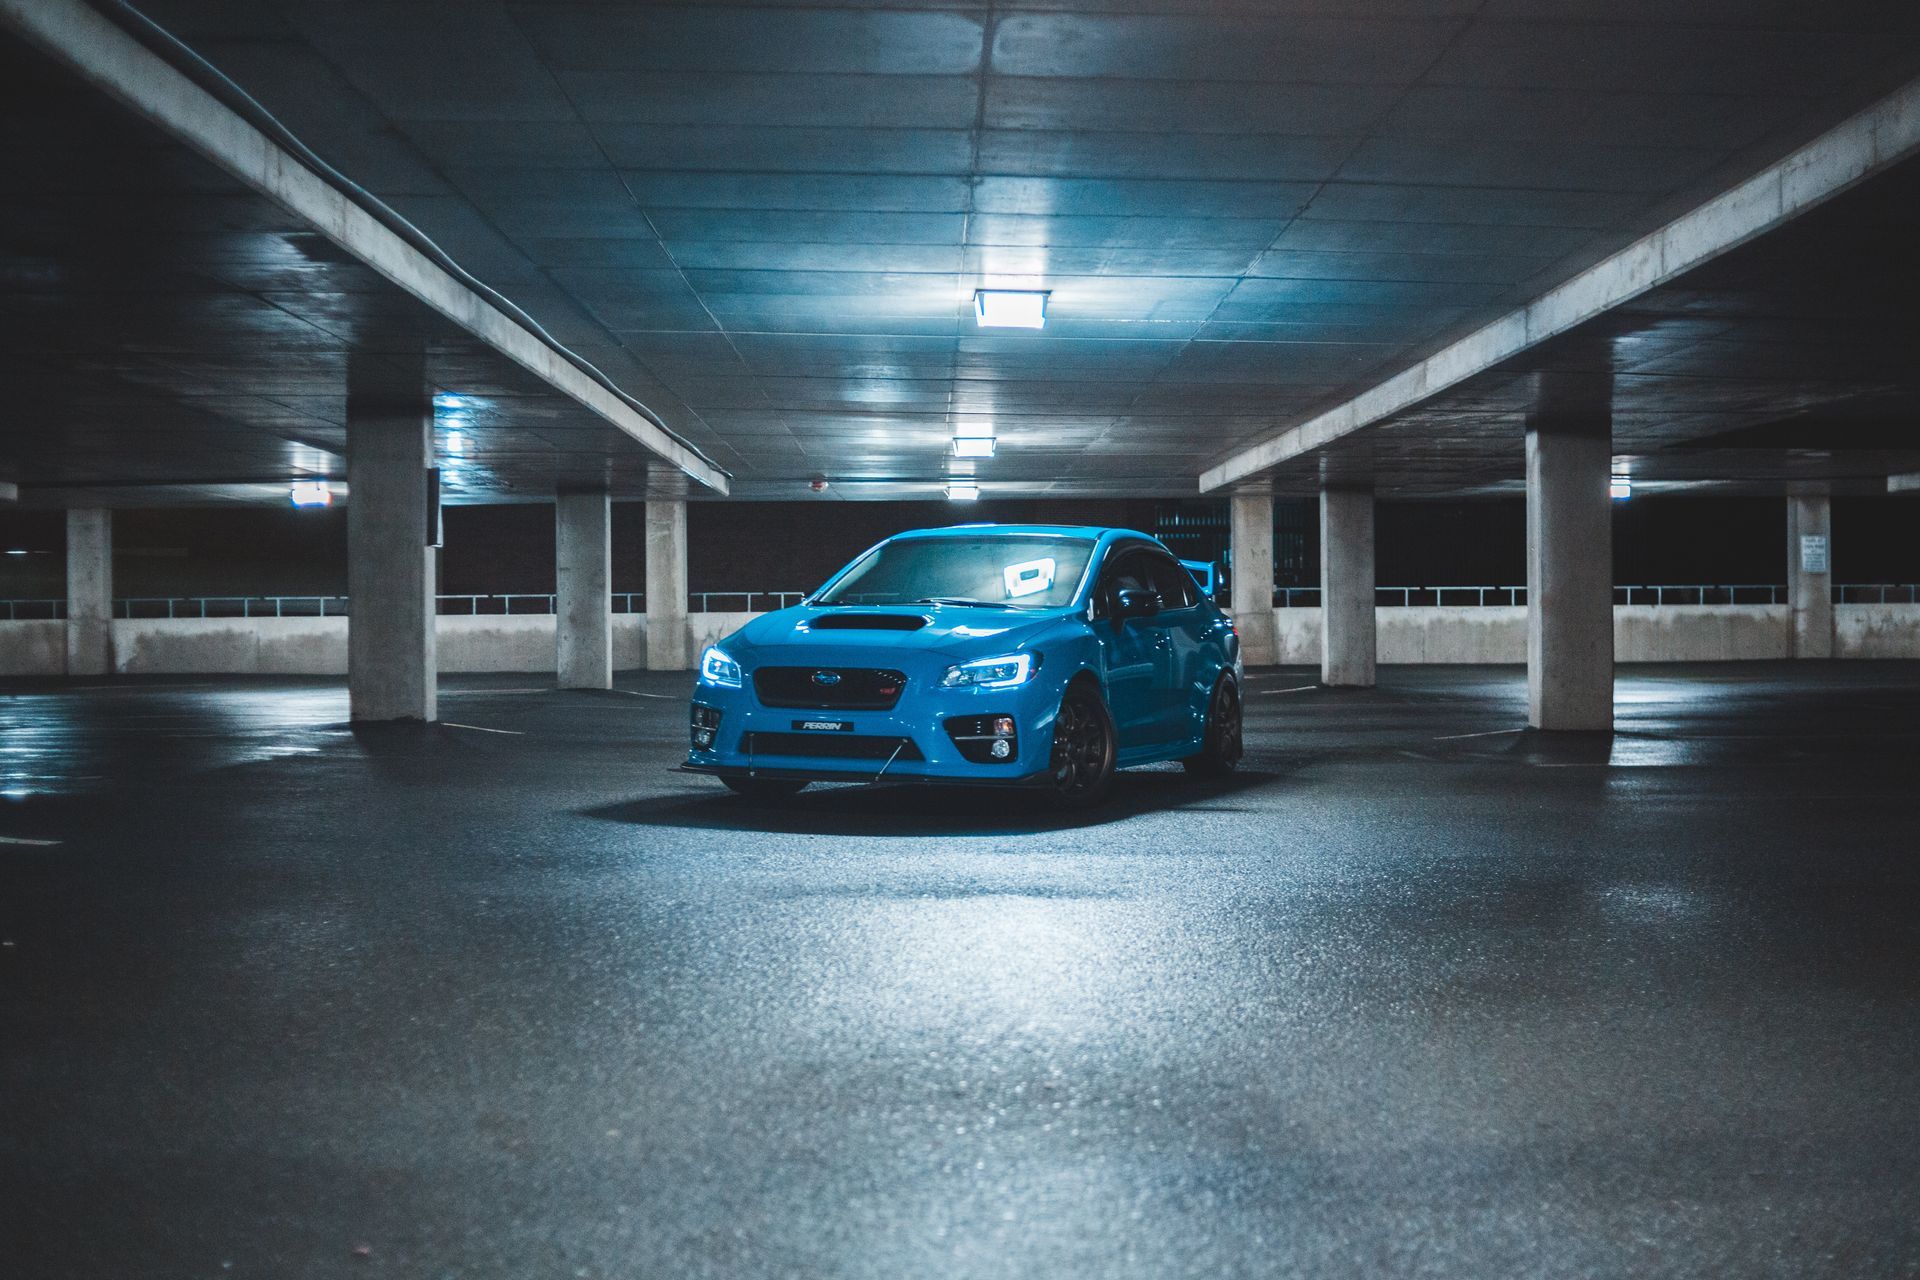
1093 531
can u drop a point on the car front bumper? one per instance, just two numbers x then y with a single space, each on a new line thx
752 740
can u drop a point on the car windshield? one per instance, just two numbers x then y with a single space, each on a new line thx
1010 571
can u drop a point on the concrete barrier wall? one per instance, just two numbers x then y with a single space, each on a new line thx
524 642
33 648
1641 633
318 646
1703 633
1876 631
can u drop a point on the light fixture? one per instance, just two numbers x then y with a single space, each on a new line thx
456 442
1620 487
975 429
1010 308
16 551
962 491
311 493
447 400
971 447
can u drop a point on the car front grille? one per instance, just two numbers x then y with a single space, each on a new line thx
850 689
830 746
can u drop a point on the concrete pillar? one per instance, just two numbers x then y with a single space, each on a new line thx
1570 573
583 578
1252 541
1810 573
1347 639
667 585
89 592
390 566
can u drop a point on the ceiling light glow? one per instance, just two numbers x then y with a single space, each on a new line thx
1620 487
1010 308
965 447
975 430
962 491
311 493
456 442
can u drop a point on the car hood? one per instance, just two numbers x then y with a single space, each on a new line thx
871 633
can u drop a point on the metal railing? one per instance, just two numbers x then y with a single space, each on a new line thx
54 610
1734 593
1409 597
1662 594
1877 593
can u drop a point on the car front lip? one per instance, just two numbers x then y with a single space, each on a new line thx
920 715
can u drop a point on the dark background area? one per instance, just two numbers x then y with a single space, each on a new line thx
793 546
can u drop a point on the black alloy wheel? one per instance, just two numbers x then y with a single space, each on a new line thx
1223 746
1082 764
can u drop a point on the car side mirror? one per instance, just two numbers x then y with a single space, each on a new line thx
1136 602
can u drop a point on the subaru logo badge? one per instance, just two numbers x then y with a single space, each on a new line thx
826 677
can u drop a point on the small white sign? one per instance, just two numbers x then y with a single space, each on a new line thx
1813 553
1028 577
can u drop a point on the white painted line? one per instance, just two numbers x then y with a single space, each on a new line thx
476 693
480 728
1490 733
1299 688
635 693
23 840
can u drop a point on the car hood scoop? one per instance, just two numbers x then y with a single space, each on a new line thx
867 622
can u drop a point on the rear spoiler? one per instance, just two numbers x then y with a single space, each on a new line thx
1205 573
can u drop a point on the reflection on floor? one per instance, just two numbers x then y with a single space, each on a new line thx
1417 993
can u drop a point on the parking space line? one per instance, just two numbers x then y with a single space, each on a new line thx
1490 733
480 728
24 840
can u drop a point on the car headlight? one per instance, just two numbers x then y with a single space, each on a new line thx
992 673
717 668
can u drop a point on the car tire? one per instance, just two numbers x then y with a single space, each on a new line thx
764 790
1224 743
1085 748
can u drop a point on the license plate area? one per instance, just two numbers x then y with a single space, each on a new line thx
823 726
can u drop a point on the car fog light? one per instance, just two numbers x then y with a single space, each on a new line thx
1001 749
1003 726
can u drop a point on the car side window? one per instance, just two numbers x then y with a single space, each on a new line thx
1122 572
1167 576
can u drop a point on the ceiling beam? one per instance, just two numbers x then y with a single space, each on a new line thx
85 41
1850 152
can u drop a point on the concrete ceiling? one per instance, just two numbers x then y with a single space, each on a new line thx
1794 359
767 222
169 336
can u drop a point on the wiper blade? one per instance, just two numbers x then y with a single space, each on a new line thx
982 604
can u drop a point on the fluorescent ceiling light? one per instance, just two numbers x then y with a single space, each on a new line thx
1620 487
1010 308
311 493
456 442
965 447
962 491
976 430
447 400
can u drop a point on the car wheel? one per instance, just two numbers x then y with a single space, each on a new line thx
764 790
1221 749
1081 767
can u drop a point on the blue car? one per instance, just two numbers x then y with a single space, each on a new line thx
1027 655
